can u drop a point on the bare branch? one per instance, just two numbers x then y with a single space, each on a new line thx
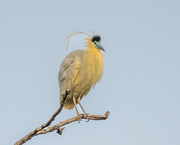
42 130
33 133
57 126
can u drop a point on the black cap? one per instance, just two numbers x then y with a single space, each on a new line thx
96 38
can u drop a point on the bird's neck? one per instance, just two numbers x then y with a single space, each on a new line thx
93 61
93 54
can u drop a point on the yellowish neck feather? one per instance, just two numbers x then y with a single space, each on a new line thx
93 61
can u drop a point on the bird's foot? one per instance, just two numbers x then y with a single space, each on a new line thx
86 115
78 118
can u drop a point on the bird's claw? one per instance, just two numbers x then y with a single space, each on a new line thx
86 115
78 118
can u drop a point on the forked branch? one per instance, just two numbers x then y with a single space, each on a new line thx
57 126
42 130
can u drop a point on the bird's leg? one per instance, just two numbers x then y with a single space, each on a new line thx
86 115
82 108
78 114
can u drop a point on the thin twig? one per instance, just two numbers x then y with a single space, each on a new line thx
33 133
42 130
83 116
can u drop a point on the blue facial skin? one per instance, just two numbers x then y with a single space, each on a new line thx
98 45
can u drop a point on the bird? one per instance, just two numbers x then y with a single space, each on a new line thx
82 68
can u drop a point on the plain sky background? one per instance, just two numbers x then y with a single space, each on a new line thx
141 82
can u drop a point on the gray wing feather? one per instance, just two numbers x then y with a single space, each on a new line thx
69 70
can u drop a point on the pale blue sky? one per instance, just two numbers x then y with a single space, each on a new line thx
141 82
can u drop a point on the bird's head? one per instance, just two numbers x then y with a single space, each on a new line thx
96 42
92 42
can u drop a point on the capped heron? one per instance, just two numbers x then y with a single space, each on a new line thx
83 68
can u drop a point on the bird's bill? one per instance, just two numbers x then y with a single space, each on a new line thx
100 46
102 49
